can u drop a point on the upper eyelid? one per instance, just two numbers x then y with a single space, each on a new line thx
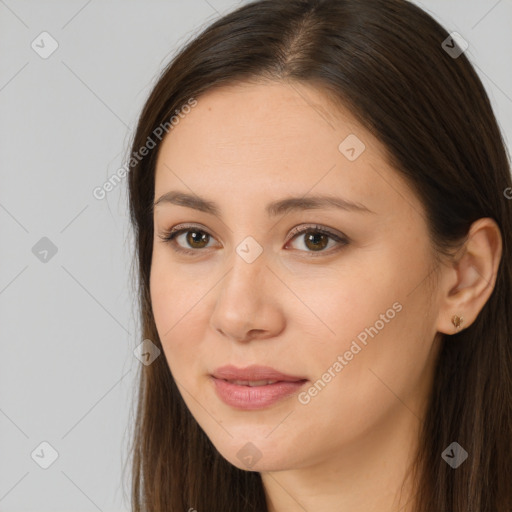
294 230
317 227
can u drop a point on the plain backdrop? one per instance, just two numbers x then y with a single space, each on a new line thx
68 320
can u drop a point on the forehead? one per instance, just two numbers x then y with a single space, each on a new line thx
253 138
267 116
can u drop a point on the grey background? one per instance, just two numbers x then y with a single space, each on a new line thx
69 325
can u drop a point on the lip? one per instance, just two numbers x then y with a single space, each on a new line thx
253 373
254 397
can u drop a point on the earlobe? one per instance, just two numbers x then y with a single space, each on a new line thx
474 273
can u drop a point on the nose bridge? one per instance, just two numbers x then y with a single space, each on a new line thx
248 266
242 304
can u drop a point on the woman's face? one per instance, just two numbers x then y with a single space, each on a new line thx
345 312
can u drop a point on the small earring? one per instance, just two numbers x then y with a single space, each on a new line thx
457 321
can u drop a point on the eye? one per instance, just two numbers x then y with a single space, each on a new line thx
316 238
195 237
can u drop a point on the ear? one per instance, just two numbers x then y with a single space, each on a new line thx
469 280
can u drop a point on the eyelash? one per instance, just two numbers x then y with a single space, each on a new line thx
169 236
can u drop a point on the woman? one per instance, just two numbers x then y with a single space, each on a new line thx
323 238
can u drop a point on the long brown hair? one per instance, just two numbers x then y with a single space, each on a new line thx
385 61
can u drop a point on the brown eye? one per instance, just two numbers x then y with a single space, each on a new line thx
316 239
193 241
194 237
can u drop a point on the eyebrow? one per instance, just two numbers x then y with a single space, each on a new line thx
273 209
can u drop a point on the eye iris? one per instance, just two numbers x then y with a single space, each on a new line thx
201 237
314 237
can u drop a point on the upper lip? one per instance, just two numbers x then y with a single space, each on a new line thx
253 373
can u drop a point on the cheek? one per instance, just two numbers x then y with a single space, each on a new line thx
173 294
380 333
381 378
180 303
169 301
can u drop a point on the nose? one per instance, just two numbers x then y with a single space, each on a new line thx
247 305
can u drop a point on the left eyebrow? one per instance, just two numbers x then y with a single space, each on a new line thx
314 202
273 209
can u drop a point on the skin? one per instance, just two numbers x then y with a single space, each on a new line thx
296 309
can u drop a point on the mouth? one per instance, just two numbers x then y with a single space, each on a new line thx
257 374
253 383
254 387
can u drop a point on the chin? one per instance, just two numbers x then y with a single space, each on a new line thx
258 454
261 465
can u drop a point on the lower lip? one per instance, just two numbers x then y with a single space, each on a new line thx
255 397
